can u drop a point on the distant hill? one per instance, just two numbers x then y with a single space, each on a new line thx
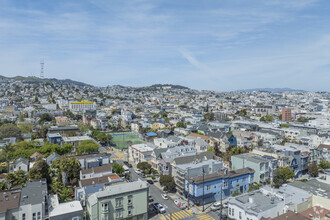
272 90
169 85
32 79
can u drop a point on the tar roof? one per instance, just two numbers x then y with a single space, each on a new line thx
252 157
99 169
314 186
214 176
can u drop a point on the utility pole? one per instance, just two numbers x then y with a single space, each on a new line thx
188 189
221 202
203 189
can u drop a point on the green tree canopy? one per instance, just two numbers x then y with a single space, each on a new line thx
17 178
145 167
69 165
117 168
167 181
313 169
46 117
39 170
324 164
281 175
87 146
181 124
9 130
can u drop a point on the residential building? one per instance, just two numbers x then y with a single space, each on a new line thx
286 114
140 152
81 106
20 164
96 172
54 138
34 200
9 204
93 160
64 211
121 201
229 182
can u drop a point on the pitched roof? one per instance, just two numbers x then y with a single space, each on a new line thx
9 199
99 180
326 146
188 159
99 169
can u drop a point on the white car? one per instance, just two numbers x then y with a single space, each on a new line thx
216 206
164 196
159 208
137 171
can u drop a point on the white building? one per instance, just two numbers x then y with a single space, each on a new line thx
140 152
81 106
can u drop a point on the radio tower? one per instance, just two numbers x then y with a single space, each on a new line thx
42 68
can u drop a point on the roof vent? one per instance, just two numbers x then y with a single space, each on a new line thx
25 197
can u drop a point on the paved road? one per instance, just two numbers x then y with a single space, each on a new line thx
156 195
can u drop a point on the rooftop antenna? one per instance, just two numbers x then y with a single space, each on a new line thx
42 68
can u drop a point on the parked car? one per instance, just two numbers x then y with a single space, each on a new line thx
164 196
180 203
151 199
216 206
150 181
159 208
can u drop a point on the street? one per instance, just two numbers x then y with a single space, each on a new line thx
173 212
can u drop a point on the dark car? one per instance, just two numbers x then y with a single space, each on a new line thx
150 181
129 165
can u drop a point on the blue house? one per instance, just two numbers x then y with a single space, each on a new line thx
55 138
239 180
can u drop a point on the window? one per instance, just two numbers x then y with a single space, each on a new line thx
130 210
130 199
119 202
105 217
232 212
39 216
225 184
244 179
119 213
215 186
231 182
34 216
208 187
104 207
237 181
229 211
240 215
23 216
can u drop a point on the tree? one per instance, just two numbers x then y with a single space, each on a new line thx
211 149
313 169
167 181
324 164
164 115
87 146
39 170
65 149
64 193
9 130
17 178
144 166
181 124
209 116
25 127
68 166
281 175
236 193
46 117
117 168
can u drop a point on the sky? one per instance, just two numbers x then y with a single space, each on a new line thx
220 45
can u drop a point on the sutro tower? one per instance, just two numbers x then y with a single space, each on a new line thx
42 68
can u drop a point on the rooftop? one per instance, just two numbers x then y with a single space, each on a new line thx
9 199
34 192
58 209
99 169
99 180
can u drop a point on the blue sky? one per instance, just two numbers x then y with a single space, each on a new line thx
218 45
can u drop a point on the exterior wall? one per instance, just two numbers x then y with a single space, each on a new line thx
29 209
139 206
69 216
10 214
212 190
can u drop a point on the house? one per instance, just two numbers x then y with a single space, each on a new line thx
121 201
96 184
96 172
54 138
75 140
268 203
20 164
93 160
140 152
33 201
52 158
64 211
207 187
9 204
258 163
192 169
